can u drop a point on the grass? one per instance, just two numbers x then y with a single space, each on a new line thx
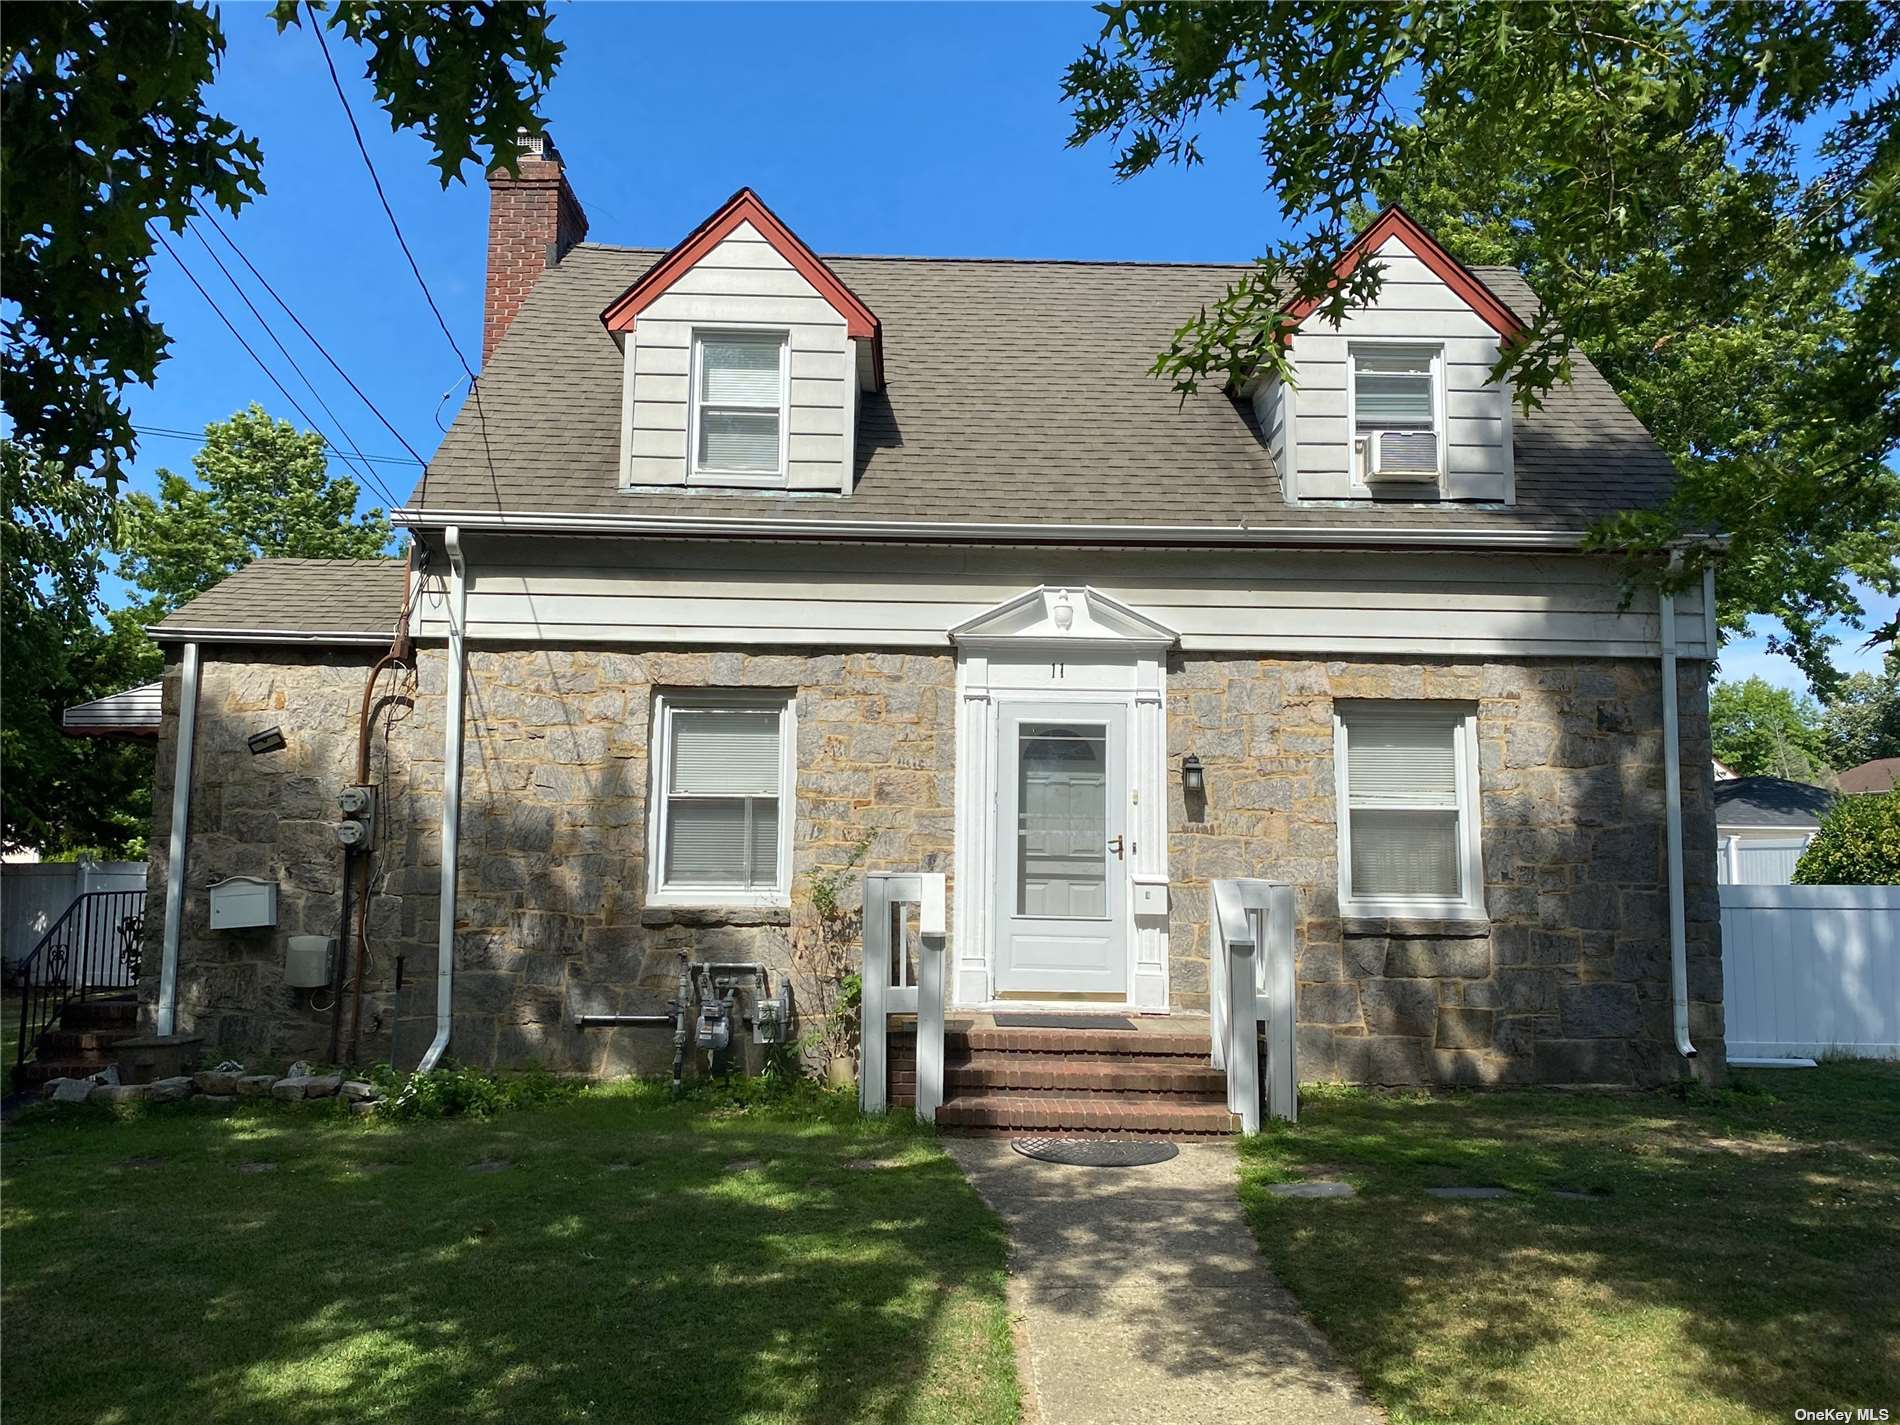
635 1260
1737 1262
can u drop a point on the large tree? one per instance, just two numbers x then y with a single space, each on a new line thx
59 793
1757 729
263 489
105 132
1653 168
1862 723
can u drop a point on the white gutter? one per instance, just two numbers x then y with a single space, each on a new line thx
451 801
889 531
266 635
175 856
1672 800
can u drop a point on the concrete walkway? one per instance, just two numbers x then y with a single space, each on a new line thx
1142 1298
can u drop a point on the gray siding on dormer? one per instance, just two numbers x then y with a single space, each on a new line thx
743 283
1414 305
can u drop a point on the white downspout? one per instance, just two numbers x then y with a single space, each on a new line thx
1672 798
451 801
175 857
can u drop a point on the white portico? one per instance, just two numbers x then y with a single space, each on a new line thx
1061 832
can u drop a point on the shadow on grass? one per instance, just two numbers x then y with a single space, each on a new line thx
1734 1261
610 1259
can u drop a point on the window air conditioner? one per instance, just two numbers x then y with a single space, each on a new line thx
1410 455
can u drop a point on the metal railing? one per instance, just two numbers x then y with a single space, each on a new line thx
1250 976
93 948
888 990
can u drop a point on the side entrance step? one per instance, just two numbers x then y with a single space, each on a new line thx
81 1043
1072 1082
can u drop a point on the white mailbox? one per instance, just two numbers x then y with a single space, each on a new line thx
243 902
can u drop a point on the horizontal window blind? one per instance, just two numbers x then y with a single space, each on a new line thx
723 787
1402 762
725 752
1405 853
1392 391
740 372
738 440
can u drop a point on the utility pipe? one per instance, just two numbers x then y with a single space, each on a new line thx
451 799
175 857
1672 801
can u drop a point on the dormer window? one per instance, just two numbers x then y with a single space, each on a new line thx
739 397
1398 432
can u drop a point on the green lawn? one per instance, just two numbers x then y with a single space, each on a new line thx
634 1261
1740 1262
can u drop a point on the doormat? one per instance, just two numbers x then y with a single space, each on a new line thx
1063 1021
1096 1152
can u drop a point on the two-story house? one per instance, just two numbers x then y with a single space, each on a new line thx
741 558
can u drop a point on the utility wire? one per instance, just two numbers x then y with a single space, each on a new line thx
364 474
316 27
198 437
249 351
309 336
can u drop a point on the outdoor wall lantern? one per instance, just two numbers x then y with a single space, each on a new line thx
271 739
1193 782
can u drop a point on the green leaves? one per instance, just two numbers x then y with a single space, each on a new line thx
263 490
1758 729
1858 844
1705 196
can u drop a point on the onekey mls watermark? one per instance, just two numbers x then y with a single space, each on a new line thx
1846 1414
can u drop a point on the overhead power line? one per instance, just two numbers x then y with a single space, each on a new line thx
251 352
310 336
197 437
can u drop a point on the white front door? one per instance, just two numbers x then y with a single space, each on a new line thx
1062 848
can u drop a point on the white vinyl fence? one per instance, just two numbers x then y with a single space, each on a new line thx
34 894
1811 970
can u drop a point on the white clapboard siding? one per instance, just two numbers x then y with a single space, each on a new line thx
1316 459
1809 971
743 282
732 595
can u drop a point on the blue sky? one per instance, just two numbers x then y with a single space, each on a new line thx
869 128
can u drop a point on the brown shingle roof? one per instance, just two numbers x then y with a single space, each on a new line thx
302 600
1015 392
1880 775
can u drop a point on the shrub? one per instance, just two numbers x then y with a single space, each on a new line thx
451 1091
1858 844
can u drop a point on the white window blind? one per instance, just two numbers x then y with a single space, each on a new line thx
722 791
1404 811
1393 392
741 404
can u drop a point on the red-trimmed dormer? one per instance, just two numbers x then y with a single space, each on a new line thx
745 356
1396 404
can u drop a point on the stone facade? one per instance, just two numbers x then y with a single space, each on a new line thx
551 915
1568 980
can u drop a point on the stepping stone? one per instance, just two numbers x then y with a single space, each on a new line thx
1312 1189
744 1165
143 1163
868 1165
620 1167
490 1165
1470 1192
253 1169
1580 1194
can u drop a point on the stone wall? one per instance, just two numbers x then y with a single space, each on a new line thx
551 915
1568 981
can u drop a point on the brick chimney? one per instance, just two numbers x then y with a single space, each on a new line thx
533 219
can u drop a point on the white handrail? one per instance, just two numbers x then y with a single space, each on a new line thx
885 994
1250 978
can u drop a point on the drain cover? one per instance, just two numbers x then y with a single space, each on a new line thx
1096 1152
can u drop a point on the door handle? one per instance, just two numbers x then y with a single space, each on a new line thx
1116 847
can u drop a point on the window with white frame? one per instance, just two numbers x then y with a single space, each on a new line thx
721 828
739 392
1408 821
1395 413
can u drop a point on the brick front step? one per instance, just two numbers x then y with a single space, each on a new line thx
1070 1043
1099 1074
35 1072
121 1015
81 1043
1096 1113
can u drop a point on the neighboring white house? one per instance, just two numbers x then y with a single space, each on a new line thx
1762 825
